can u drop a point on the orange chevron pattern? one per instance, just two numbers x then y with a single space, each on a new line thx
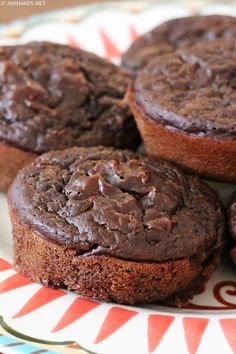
4 265
133 33
194 328
13 282
228 326
72 42
77 309
111 50
157 327
42 297
115 319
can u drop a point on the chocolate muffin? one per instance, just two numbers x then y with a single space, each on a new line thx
175 34
185 107
53 97
115 226
232 225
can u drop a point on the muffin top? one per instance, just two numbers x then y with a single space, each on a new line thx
192 90
118 203
53 96
177 33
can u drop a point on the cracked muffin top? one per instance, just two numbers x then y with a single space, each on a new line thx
54 97
118 203
192 90
175 34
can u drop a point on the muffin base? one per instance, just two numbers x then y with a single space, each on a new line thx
11 161
106 278
213 159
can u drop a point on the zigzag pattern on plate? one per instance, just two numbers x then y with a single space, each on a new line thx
111 51
116 317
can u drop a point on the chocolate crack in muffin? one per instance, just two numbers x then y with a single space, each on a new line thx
175 34
232 225
53 97
114 225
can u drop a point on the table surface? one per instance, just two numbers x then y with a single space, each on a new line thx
9 12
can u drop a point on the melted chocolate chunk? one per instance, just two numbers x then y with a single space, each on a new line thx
118 203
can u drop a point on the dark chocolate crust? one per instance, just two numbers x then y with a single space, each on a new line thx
53 97
232 225
192 90
175 34
101 201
